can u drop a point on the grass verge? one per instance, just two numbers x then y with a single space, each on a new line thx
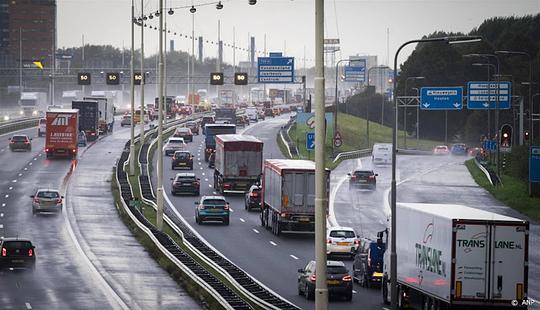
514 192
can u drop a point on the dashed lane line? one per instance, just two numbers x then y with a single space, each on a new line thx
273 243
256 231
10 188
294 257
7 196
242 220
28 306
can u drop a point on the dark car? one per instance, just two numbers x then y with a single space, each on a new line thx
194 126
184 132
253 198
17 253
182 159
339 280
212 208
368 262
20 142
207 120
362 178
268 112
185 183
458 149
212 160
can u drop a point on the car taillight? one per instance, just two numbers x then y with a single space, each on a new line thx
226 208
369 261
12 142
92 133
356 242
372 177
253 194
59 200
26 142
46 150
353 177
312 278
226 185
329 241
347 278
36 200
74 151
30 252
284 215
196 183
4 252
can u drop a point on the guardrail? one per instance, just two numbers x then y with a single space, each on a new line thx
255 291
289 144
352 154
13 125
222 294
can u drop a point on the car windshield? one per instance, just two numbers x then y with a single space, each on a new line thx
176 141
441 147
336 270
49 195
19 138
185 179
342 234
214 203
182 130
17 245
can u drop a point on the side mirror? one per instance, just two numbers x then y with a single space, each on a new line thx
30 139
32 196
196 202
198 179
172 179
301 270
376 174
9 139
62 197
348 174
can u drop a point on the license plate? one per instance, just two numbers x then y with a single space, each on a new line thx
362 181
182 164
333 282
186 184
303 219
60 151
17 261
343 243
377 274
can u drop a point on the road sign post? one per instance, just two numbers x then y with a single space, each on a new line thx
275 69
310 141
534 166
338 140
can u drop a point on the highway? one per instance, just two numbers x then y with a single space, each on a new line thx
85 257
274 260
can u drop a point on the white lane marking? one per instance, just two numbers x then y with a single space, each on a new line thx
3 205
14 181
205 179
1 226
214 192
203 173
20 174
201 168
294 257
255 231
209 185
25 168
273 243
11 187
35 158
331 201
30 164
40 154
242 220
7 196
354 292
28 306
1 214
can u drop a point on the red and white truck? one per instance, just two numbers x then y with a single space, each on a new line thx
288 195
453 256
62 133
238 162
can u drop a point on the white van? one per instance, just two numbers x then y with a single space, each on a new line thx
382 153
42 129
252 114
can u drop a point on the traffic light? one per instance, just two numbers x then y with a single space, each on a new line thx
216 78
113 78
526 135
84 78
240 78
506 136
137 78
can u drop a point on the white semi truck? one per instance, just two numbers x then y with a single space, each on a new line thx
32 103
453 256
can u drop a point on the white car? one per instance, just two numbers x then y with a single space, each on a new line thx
48 200
42 129
382 153
174 144
341 240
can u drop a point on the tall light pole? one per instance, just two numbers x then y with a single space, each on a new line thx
141 118
336 103
417 118
132 94
367 105
321 201
413 78
159 214
393 254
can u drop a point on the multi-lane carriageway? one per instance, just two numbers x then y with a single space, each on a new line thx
87 259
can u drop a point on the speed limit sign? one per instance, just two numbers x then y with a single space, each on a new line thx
216 78
84 78
113 78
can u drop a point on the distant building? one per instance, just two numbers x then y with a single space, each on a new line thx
32 23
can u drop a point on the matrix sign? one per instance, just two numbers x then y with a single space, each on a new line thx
137 78
113 78
240 78
84 78
216 78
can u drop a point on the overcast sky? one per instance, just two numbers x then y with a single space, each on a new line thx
288 24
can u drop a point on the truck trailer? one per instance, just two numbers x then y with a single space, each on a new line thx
210 132
454 256
227 115
105 113
288 195
88 117
238 163
62 133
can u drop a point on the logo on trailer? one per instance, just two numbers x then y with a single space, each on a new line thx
61 120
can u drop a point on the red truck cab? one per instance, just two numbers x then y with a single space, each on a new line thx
62 133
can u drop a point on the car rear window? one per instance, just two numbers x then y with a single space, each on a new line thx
176 141
182 130
185 178
441 147
214 203
17 245
342 234
336 270
48 195
363 173
182 155
19 138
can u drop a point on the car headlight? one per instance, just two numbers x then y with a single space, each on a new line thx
21 112
6 117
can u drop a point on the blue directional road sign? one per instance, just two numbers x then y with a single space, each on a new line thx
310 141
355 73
478 98
275 69
490 145
441 98
534 164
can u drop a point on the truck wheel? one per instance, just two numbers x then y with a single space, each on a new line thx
384 291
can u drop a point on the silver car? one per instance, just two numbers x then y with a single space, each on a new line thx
47 200
174 144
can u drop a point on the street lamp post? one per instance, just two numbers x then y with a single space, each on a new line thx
414 78
417 118
132 95
141 117
393 254
336 105
367 105
321 201
159 214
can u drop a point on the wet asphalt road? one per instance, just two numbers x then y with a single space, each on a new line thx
274 260
115 273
